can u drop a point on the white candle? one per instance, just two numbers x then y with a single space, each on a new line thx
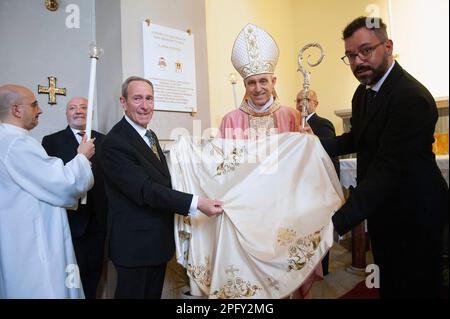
91 97
94 53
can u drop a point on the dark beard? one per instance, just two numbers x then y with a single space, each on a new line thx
377 73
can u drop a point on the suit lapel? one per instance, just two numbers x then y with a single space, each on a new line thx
380 99
313 118
138 143
71 139
161 155
312 121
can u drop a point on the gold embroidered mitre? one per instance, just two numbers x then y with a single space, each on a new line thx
254 52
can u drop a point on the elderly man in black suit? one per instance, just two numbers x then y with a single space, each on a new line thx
142 201
400 188
88 222
321 127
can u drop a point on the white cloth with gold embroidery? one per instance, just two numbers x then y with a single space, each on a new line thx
279 194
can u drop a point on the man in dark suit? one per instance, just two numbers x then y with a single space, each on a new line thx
88 222
323 128
142 201
400 189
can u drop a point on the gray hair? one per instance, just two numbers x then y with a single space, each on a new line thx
8 97
131 79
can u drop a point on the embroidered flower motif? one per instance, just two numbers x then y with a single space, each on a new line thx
285 236
201 274
232 161
302 251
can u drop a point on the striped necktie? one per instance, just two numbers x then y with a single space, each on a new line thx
152 141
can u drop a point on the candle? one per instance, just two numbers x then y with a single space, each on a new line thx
94 53
91 97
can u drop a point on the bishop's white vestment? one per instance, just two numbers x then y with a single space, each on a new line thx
279 194
37 259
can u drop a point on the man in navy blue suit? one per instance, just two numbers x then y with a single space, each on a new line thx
88 222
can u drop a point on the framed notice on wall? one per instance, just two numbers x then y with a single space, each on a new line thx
169 63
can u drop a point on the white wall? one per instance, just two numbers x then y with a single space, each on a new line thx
420 31
109 69
177 14
36 43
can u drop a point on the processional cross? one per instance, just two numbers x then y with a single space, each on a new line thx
51 90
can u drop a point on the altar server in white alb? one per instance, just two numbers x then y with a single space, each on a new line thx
36 253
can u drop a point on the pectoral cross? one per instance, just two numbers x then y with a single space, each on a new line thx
51 90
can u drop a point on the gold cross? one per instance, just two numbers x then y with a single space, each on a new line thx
51 90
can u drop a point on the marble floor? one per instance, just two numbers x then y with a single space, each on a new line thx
341 278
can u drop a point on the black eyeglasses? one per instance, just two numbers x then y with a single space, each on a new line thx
363 54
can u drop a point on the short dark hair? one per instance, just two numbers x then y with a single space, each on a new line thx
371 23
131 79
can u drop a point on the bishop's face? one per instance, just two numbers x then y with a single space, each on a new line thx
259 88
139 103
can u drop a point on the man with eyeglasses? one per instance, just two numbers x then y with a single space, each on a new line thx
321 127
400 190
37 259
88 221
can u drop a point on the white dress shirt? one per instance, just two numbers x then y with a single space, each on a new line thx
141 131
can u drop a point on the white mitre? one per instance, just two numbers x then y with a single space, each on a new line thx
254 52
